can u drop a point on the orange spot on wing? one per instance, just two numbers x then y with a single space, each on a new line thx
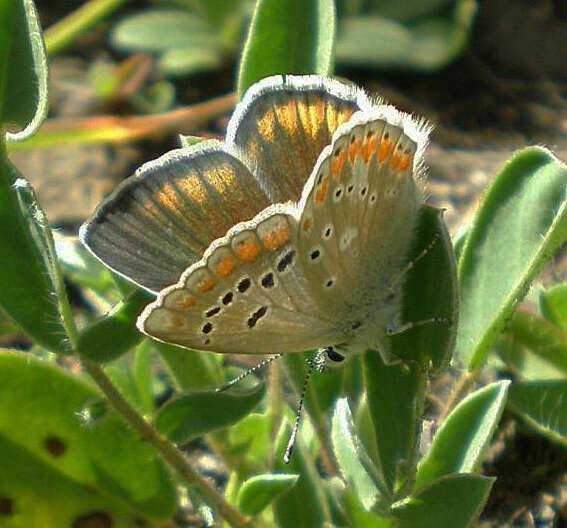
339 159
385 148
172 321
405 162
188 302
225 267
396 160
276 238
307 224
354 149
322 191
247 250
369 147
204 285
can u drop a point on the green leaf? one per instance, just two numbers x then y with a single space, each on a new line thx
288 36
304 505
430 291
23 69
35 495
409 9
461 441
115 333
453 500
517 229
185 61
361 518
190 369
542 405
32 292
43 420
353 459
252 436
163 30
259 491
426 44
553 305
539 337
132 375
190 415
395 398
219 11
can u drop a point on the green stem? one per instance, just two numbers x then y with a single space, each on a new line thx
64 32
167 449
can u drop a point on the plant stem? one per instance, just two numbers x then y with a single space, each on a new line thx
111 129
167 449
64 32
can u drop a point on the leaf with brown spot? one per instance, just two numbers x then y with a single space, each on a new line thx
60 468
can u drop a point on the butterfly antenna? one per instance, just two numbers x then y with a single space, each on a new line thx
246 373
314 363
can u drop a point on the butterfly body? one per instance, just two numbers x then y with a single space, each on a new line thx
289 236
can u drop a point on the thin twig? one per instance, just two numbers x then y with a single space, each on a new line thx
167 449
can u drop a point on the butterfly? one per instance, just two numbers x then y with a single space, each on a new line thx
292 234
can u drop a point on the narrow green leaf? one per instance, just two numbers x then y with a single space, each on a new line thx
461 441
304 505
115 333
553 305
395 398
543 406
132 375
32 292
518 227
453 500
430 291
189 415
44 414
288 36
259 491
23 69
143 376
349 452
64 32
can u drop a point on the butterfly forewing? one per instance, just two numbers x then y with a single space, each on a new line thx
248 295
358 214
161 221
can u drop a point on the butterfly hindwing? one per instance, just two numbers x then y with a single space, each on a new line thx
247 295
